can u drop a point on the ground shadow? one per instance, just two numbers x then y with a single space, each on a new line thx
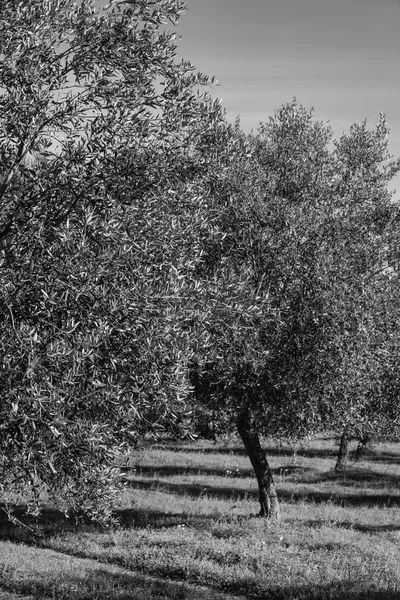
376 455
368 455
349 500
367 528
300 473
217 449
29 529
35 531
239 451
198 490
157 519
291 473
189 489
333 591
376 528
170 470
352 477
103 584
88 578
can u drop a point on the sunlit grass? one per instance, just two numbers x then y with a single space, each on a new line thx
30 573
188 515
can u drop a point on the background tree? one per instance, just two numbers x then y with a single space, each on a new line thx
370 224
310 233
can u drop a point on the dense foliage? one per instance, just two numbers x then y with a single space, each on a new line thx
315 229
158 264
103 142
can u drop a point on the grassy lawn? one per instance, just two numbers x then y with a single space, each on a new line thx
188 530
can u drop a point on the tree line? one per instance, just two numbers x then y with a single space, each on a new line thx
160 267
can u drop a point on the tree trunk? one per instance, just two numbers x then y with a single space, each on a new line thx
267 494
343 455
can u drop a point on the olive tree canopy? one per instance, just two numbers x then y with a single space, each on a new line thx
104 143
312 228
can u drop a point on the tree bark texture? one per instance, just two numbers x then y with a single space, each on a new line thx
343 455
267 493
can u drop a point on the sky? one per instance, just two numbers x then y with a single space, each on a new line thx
341 57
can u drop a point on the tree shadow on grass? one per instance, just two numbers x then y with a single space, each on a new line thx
28 529
376 528
239 451
334 591
375 455
97 583
194 490
89 579
364 527
344 500
36 531
369 454
352 477
190 449
197 490
45 573
101 584
170 471
129 518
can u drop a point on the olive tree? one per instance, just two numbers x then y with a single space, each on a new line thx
104 141
309 227
370 227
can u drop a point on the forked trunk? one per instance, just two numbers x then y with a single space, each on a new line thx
267 493
343 455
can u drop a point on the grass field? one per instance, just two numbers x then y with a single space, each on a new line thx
188 530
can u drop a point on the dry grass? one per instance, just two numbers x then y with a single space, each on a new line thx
188 519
